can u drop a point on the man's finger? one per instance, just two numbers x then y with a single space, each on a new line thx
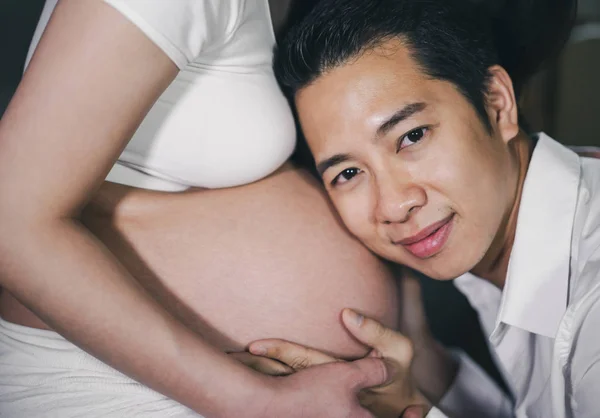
414 411
368 372
295 356
262 364
411 293
389 343
413 320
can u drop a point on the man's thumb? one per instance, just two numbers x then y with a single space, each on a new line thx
369 372
389 343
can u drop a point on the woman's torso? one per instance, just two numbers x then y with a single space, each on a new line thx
267 259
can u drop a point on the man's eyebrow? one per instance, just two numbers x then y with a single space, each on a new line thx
331 161
402 114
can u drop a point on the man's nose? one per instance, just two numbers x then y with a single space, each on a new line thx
397 201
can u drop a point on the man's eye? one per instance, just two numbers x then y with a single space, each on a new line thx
411 138
345 176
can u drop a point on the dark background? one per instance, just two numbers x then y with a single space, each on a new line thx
563 100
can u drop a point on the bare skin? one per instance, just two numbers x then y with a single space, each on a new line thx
414 174
90 260
244 275
408 354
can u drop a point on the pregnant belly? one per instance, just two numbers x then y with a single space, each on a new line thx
264 260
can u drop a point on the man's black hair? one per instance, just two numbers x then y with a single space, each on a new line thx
451 40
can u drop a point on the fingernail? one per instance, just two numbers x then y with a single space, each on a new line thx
355 317
414 411
258 350
375 353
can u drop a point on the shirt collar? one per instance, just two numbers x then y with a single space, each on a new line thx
535 294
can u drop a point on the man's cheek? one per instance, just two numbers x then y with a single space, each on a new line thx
355 226
357 220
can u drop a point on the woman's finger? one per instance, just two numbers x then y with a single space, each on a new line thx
296 356
263 364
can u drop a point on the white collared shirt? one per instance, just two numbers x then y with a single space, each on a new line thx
544 327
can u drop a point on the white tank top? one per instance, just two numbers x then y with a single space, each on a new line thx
223 121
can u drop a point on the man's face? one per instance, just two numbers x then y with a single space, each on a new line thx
407 162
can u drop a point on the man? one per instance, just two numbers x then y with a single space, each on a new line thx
410 110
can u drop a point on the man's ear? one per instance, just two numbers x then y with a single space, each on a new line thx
501 103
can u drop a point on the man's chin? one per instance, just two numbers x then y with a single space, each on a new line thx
437 267
440 270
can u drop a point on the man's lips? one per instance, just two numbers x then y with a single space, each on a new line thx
425 232
429 241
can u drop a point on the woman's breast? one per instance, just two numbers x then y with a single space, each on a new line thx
264 260
214 128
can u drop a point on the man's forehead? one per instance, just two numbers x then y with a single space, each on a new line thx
371 77
354 105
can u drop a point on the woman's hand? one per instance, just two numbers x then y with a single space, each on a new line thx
397 397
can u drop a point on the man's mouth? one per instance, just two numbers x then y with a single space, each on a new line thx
430 240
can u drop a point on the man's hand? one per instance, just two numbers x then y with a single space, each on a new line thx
433 368
397 397
263 364
329 390
400 397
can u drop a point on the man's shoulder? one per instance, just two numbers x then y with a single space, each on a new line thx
590 157
590 181
589 193
585 264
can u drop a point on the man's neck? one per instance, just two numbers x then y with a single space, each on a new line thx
494 265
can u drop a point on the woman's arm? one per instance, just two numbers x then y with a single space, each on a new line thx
90 83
